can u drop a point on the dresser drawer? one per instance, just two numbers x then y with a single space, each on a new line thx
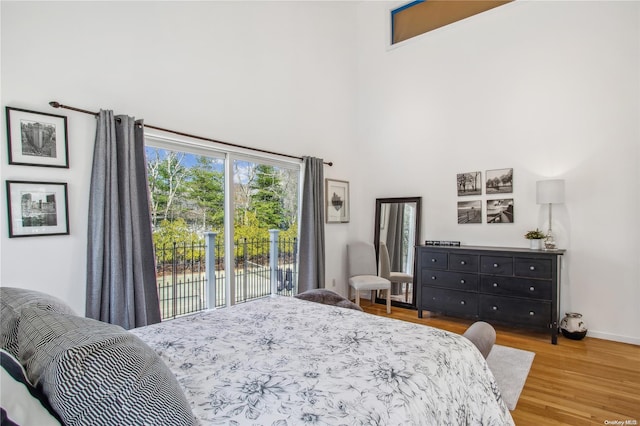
521 311
499 265
521 287
534 268
433 260
448 279
450 301
463 262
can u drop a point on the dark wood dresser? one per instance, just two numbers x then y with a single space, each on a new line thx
510 286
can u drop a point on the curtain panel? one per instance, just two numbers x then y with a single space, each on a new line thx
312 254
121 282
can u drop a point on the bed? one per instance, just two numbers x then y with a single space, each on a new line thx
283 361
280 360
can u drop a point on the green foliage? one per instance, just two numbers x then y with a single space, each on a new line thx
205 186
251 231
176 232
535 235
166 175
187 197
267 198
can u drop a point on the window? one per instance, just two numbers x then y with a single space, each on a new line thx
419 17
244 208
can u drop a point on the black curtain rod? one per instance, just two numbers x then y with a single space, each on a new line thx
59 105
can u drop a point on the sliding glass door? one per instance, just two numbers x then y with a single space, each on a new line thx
225 226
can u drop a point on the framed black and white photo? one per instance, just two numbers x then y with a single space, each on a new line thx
337 201
469 183
469 211
37 208
37 139
500 211
499 181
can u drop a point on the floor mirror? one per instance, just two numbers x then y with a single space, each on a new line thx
396 233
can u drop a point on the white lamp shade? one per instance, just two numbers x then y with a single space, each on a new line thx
550 191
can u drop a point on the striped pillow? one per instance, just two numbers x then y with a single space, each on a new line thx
12 300
97 373
21 403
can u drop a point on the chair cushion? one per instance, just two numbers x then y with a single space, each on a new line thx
369 282
12 300
98 373
400 277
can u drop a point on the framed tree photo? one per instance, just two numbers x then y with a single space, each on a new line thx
337 201
469 183
37 139
499 181
37 208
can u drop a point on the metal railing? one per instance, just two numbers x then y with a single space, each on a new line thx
192 277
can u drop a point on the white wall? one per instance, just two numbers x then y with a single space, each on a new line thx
550 89
275 75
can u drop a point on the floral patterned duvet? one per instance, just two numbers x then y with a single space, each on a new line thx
283 361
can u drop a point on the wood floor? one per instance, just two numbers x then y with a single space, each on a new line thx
583 382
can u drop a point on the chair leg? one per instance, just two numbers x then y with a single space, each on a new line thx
389 301
406 292
358 297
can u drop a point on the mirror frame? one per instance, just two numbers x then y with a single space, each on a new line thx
376 237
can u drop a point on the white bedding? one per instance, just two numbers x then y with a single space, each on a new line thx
283 361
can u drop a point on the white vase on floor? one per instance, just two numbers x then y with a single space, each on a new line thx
573 326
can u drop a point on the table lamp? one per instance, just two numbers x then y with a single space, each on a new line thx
550 192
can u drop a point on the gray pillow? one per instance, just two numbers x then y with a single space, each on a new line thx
95 373
327 297
12 300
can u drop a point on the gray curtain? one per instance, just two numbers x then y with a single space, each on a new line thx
312 260
395 235
121 283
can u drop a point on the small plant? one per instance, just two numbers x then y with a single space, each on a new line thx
535 235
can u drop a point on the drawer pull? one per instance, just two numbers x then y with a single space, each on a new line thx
462 281
462 302
433 260
494 308
433 277
495 285
462 262
532 288
495 265
532 313
532 268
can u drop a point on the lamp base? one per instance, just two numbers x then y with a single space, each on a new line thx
549 241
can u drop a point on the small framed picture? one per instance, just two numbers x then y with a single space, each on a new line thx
499 181
337 201
469 183
500 211
37 139
469 211
37 208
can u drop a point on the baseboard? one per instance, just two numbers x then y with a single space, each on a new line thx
614 337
